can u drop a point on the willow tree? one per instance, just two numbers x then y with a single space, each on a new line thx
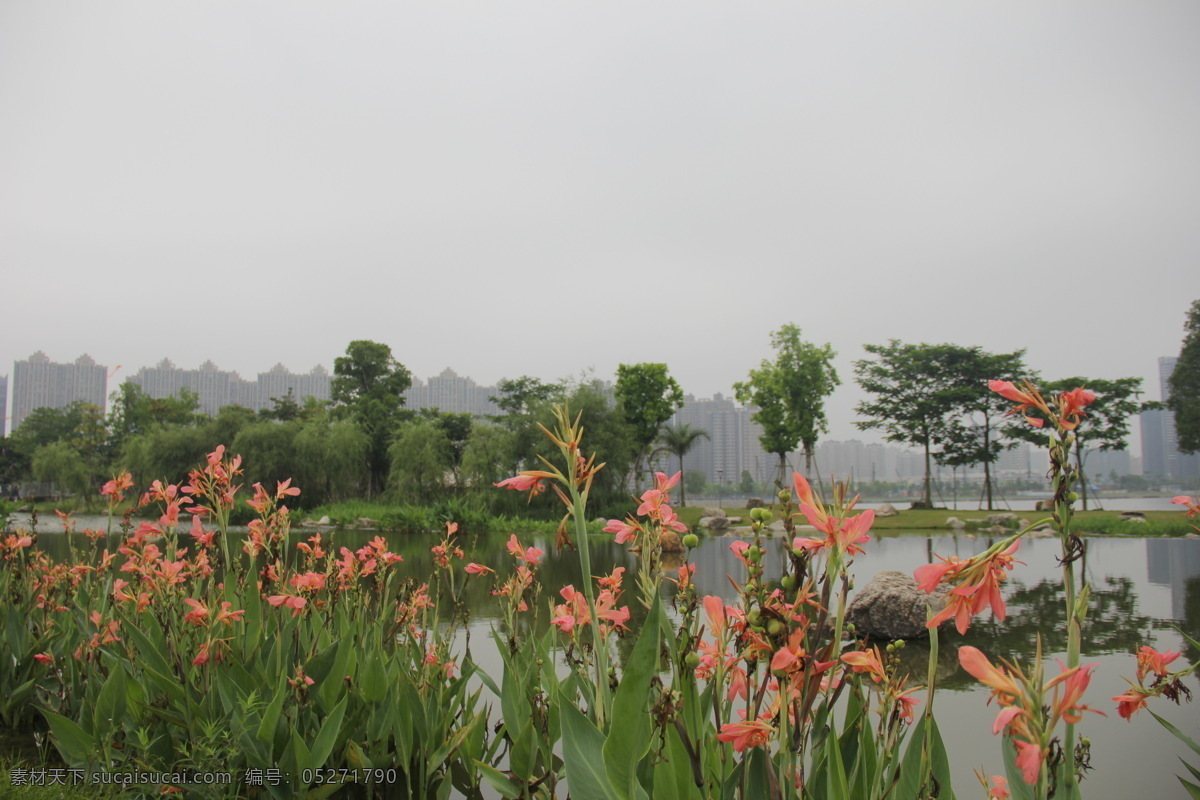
789 394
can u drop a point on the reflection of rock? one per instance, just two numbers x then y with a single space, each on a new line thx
671 562
891 606
714 523
671 542
913 661
886 510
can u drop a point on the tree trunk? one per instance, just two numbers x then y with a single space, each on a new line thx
987 464
682 488
927 499
1079 468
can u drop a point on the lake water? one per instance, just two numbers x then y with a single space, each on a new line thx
1141 589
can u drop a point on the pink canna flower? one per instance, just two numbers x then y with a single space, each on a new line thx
44 658
1029 760
625 530
866 661
746 734
203 538
477 569
1024 399
529 481
530 555
199 613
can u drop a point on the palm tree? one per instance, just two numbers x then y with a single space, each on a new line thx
680 440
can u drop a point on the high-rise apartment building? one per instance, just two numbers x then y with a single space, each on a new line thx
216 388
3 406
1160 447
40 383
451 393
279 383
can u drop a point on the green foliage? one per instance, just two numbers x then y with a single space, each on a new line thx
789 394
65 466
331 459
1184 385
915 391
422 459
489 455
368 387
1105 424
606 433
647 396
133 412
268 451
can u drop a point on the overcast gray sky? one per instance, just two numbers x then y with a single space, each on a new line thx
537 188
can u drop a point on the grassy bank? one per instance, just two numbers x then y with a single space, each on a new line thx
1158 523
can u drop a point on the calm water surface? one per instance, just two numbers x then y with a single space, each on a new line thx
1141 590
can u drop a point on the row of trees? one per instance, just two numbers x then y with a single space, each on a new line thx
364 443
931 396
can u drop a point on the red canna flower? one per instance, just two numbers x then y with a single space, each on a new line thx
1152 661
1132 701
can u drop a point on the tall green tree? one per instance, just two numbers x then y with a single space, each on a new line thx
973 435
679 441
66 467
1184 385
331 460
422 461
789 394
647 396
915 389
131 411
368 387
1105 425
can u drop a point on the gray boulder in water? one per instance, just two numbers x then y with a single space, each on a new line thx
891 606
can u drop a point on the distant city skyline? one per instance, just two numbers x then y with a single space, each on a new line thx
732 447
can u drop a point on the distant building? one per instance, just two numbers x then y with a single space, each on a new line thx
451 393
40 383
216 388
3 406
1160 446
278 383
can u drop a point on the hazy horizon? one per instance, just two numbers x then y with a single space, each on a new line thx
541 189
